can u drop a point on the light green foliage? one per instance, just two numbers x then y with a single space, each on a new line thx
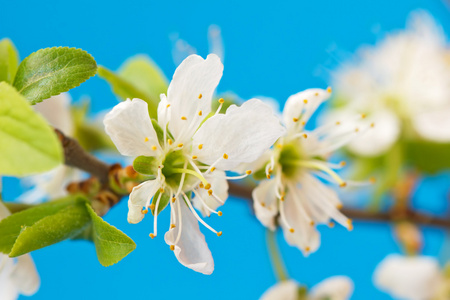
9 60
428 157
28 144
139 77
52 71
112 245
43 225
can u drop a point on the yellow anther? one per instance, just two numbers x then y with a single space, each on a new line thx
201 185
268 176
183 118
219 233
172 247
329 90
219 213
295 119
305 135
316 94
152 235
372 125
144 211
212 169
173 199
170 141
172 226
303 123
279 146
225 156
194 157
207 186
343 163
363 116
372 179
210 192
248 172
282 198
307 249
161 190
221 100
168 105
151 206
270 170
305 101
356 129
339 206
338 123
146 139
312 223
263 204
200 96
200 113
291 230
350 227
331 224
342 185
154 148
200 146
180 145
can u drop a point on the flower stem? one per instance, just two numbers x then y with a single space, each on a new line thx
275 255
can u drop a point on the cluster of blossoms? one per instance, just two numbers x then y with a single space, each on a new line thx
188 149
403 83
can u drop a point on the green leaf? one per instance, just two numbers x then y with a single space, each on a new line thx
65 224
9 60
125 89
52 71
428 157
12 226
111 244
28 144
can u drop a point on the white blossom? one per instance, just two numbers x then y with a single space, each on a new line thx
333 288
193 150
403 82
292 196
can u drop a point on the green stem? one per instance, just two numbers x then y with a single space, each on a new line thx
192 172
275 255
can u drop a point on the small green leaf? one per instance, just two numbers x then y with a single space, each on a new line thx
28 144
428 157
11 227
9 60
145 165
52 71
111 244
52 229
125 89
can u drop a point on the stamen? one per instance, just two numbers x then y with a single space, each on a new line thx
170 141
200 113
212 169
191 172
183 118
208 186
283 217
225 156
197 194
196 215
154 148
146 139
329 90
172 247
200 146
200 96
295 119
152 235
144 211
194 156
180 145
312 164
155 218
221 101
305 101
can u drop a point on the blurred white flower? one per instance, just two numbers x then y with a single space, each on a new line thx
52 184
333 288
292 195
409 277
17 275
402 81
190 149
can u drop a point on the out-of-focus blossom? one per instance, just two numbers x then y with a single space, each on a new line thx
18 276
52 184
402 83
188 150
293 196
412 278
333 288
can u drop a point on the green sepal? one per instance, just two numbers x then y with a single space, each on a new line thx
52 71
145 165
163 202
9 60
28 144
111 244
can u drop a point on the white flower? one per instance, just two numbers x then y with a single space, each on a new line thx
292 196
403 81
191 153
52 184
333 288
17 275
409 277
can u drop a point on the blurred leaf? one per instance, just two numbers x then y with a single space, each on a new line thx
428 157
52 71
9 60
124 89
145 75
12 226
28 144
112 245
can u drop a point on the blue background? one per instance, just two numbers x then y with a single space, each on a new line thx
275 49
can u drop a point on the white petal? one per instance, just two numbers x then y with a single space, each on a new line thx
413 278
193 77
139 198
25 276
219 185
130 128
433 125
333 288
243 133
285 290
56 110
8 290
380 138
265 203
296 107
163 111
191 250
